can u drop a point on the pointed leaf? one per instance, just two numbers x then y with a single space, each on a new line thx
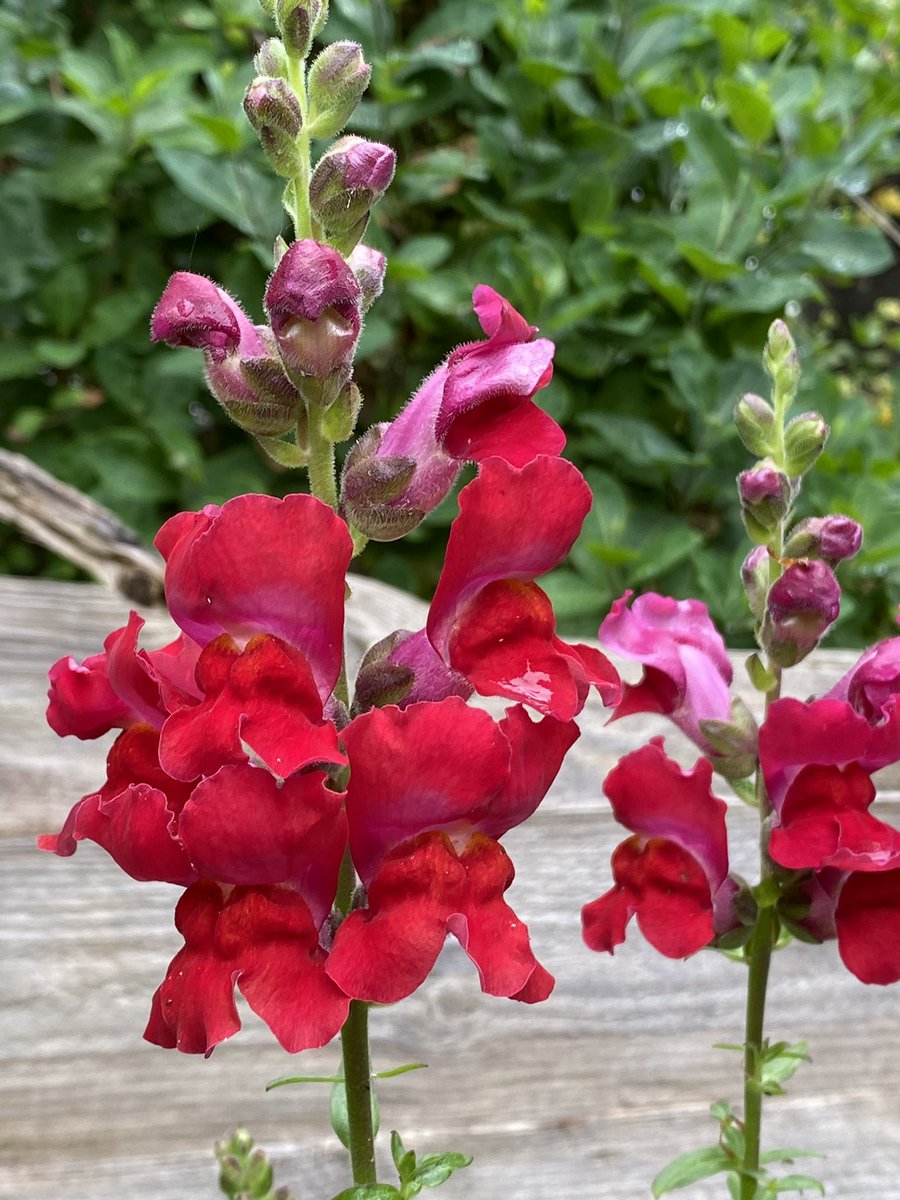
688 1168
284 1080
400 1070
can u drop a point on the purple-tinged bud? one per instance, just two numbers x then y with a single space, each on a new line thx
273 110
755 576
830 538
781 360
271 58
804 441
369 267
755 422
801 607
348 180
398 472
243 370
313 302
735 742
299 22
337 79
403 669
766 496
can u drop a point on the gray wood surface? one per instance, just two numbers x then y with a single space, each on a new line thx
585 1097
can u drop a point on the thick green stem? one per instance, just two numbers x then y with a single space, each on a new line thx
300 213
760 958
358 1085
322 479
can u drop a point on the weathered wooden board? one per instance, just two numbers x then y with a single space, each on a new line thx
583 1097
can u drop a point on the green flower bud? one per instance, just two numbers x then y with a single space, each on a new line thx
337 79
755 423
804 441
274 112
781 360
735 742
299 22
271 59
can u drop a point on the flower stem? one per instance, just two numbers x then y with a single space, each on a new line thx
760 958
358 1086
300 213
322 480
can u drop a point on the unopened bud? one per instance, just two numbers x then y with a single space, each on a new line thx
781 360
755 423
258 1175
734 742
766 496
755 576
271 58
402 669
339 419
274 112
830 538
369 267
337 79
313 302
299 22
804 441
370 484
801 607
348 180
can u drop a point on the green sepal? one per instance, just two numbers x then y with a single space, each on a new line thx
760 675
745 790
689 1168
286 454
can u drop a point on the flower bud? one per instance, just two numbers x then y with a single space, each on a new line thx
337 79
801 607
369 267
755 423
830 538
274 112
271 58
781 360
299 22
369 485
755 575
403 669
735 742
339 419
348 180
313 302
242 367
804 441
766 495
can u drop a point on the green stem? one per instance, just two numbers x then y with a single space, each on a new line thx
760 958
301 214
358 1085
322 479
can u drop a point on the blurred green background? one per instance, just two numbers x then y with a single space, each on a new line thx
649 183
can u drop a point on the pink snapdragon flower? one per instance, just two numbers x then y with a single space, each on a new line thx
687 672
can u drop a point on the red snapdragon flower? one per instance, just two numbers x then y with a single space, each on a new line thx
817 759
432 789
488 618
673 874
687 672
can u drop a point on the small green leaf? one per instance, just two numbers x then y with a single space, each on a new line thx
760 675
688 1168
788 1155
435 1169
286 1079
372 1191
340 1121
416 1066
797 1183
749 109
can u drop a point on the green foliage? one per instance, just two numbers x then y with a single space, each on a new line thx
244 1172
650 183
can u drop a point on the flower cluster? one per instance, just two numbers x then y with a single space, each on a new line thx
243 774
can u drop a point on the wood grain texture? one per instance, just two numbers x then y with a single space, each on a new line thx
582 1098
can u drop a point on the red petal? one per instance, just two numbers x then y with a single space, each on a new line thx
385 952
240 827
82 701
868 926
